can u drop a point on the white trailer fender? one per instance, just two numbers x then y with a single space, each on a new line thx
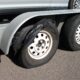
16 23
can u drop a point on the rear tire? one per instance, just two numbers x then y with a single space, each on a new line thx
30 55
71 33
74 4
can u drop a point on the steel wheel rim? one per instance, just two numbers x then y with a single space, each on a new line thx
41 45
76 4
77 35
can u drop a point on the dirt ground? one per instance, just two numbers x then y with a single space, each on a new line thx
65 65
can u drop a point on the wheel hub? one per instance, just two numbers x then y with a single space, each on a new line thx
77 35
76 4
41 45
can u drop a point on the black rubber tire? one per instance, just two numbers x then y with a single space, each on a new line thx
19 38
71 4
25 59
68 32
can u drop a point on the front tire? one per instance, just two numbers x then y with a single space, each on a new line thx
40 49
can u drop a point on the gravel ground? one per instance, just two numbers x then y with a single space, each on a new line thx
65 65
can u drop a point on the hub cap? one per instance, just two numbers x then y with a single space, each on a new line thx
77 35
76 4
41 45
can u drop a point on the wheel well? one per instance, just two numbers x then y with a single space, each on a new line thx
35 20
30 22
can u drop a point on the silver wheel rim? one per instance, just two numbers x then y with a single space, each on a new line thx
41 45
77 35
76 4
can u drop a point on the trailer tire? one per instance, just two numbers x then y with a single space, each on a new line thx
74 4
71 33
34 55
